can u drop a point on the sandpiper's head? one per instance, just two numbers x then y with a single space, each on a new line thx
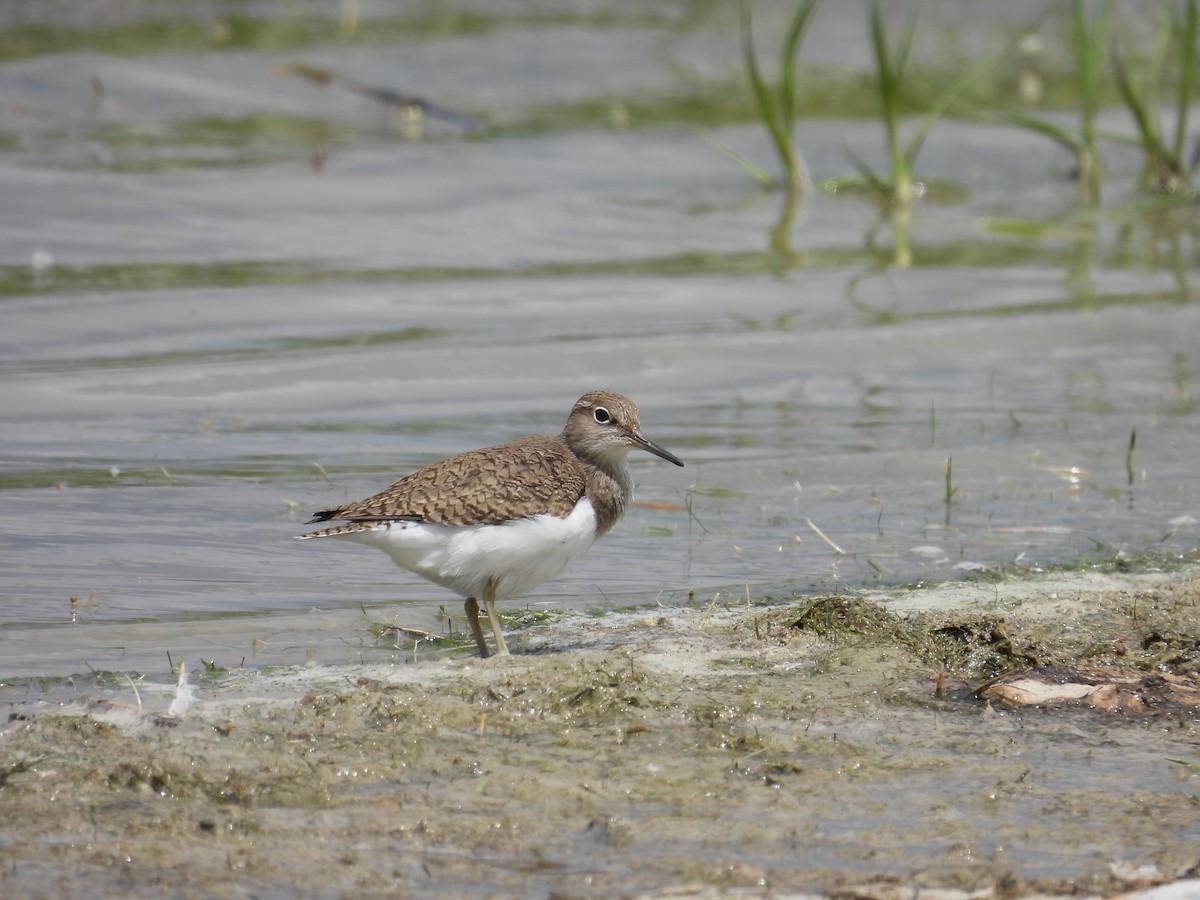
604 426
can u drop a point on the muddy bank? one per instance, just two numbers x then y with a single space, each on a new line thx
812 745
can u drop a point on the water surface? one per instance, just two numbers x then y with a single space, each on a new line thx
232 297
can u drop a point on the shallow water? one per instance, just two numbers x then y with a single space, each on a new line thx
231 297
208 335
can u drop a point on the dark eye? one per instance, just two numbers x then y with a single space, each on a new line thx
602 415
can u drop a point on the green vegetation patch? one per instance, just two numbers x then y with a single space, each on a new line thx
1149 631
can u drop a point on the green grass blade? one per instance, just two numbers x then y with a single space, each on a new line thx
1133 94
756 172
762 96
1090 38
1055 132
883 58
1185 29
1091 41
873 179
787 62
890 76
951 95
1116 137
1158 61
900 63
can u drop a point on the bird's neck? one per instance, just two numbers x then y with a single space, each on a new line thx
609 488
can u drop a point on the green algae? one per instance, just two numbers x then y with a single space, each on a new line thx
1150 631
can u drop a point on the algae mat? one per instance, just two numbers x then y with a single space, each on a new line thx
816 745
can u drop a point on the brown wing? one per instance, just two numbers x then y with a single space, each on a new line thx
482 487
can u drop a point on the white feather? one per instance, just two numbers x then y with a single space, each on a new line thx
515 557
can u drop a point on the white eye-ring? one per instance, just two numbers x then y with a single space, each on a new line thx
601 415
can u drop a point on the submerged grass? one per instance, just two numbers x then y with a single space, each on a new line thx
1150 222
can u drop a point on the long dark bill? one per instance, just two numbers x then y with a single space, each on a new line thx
646 444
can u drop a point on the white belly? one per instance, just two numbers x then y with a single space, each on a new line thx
515 557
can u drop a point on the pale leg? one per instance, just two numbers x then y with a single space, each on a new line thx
489 603
472 607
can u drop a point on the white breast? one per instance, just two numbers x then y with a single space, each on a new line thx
516 556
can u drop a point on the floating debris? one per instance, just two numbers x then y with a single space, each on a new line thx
184 695
1073 475
414 108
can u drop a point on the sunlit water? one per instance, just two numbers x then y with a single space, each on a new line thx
197 353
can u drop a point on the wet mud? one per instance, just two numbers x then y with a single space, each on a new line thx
833 745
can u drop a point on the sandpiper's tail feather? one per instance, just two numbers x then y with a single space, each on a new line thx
336 530
326 515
